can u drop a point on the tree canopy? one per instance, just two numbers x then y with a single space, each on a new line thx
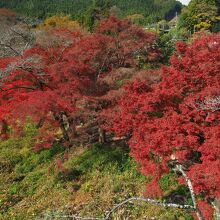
73 84
177 120
152 10
200 15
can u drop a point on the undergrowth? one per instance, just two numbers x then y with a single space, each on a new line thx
32 187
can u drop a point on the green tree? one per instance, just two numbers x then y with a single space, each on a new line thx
152 10
199 15
96 12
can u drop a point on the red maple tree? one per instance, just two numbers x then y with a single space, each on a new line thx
63 85
56 84
177 121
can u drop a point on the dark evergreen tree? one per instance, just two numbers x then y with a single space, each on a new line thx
152 10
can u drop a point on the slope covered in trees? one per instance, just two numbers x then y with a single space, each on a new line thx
152 10
68 68
76 88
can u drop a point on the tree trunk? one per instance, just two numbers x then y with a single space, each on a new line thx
101 136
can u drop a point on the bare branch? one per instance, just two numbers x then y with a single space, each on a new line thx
217 210
11 48
189 184
19 87
132 199
16 39
150 201
24 36
72 216
210 104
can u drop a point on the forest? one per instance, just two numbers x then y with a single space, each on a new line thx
151 10
105 119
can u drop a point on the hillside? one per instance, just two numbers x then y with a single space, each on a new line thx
152 10
101 118
99 177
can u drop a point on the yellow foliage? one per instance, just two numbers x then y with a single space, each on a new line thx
135 17
58 21
202 26
204 21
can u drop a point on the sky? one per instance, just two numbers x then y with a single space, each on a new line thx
185 2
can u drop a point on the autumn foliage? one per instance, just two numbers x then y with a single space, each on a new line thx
57 21
178 119
168 116
56 84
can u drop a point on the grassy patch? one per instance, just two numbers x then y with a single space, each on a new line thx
98 178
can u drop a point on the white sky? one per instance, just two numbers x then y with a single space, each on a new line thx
185 2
